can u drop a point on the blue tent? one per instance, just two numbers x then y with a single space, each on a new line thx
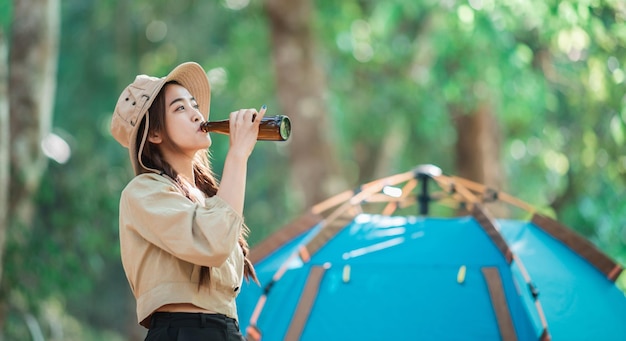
341 272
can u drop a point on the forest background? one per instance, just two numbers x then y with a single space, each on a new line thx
524 96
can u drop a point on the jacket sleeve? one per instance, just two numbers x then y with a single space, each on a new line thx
158 212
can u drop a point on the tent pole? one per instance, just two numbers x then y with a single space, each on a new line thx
423 173
423 198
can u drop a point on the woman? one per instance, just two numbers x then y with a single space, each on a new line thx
182 236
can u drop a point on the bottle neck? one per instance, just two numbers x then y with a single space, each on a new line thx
221 127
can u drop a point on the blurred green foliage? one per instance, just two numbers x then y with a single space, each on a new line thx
553 71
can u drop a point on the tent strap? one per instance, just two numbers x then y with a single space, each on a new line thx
297 227
489 225
305 304
330 229
580 245
499 303
253 333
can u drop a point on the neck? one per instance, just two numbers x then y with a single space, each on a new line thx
182 164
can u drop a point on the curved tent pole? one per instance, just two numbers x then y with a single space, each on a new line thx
535 295
367 188
494 195
406 191
317 213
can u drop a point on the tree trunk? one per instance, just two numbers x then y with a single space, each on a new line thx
32 80
478 148
392 145
301 87
33 56
4 145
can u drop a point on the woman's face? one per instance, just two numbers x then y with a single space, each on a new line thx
182 121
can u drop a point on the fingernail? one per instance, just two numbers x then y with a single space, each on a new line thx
264 107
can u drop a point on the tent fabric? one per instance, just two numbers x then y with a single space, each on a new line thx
579 303
580 245
421 278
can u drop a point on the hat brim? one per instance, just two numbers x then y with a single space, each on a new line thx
192 77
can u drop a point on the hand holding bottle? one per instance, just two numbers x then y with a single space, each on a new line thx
244 130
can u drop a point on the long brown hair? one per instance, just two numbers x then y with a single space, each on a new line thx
205 180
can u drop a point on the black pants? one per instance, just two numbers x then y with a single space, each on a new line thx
193 327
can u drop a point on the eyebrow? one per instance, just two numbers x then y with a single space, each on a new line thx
193 99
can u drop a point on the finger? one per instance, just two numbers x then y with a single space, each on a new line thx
249 115
260 114
262 111
244 115
233 115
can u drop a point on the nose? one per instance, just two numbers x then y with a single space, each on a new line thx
198 117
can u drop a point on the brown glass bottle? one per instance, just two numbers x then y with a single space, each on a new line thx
271 128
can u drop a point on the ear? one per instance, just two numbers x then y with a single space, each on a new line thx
155 137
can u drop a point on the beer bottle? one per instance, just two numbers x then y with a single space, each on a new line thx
271 128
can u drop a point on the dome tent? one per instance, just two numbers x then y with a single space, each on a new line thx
350 268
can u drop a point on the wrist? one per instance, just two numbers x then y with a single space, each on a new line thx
237 155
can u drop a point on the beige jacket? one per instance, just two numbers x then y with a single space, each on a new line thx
165 238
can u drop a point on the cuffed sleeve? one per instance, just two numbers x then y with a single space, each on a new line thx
158 212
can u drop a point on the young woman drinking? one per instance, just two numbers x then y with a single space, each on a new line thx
182 235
